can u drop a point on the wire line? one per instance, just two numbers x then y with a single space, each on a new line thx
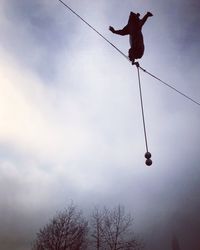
171 87
144 70
75 13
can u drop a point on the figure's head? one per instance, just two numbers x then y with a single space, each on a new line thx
134 18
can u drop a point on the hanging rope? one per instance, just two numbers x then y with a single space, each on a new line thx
148 154
96 31
142 107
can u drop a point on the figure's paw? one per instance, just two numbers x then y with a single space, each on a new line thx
111 29
149 14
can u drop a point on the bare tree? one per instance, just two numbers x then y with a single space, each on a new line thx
109 230
96 225
66 231
113 230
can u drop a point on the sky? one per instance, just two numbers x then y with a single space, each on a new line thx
71 125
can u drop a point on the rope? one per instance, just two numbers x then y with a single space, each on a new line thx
169 86
142 106
96 31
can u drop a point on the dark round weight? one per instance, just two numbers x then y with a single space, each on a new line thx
148 162
147 155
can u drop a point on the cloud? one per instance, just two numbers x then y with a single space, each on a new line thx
71 123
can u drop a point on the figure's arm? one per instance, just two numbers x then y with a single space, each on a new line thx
122 32
143 20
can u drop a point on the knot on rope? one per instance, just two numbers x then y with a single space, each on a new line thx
136 64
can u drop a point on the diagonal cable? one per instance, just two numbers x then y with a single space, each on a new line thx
170 86
96 31
75 13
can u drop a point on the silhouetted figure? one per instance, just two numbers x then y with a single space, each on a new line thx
175 244
134 30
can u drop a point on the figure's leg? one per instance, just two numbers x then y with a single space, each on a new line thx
131 50
136 52
131 55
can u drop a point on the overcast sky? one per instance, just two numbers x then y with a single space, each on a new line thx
70 118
